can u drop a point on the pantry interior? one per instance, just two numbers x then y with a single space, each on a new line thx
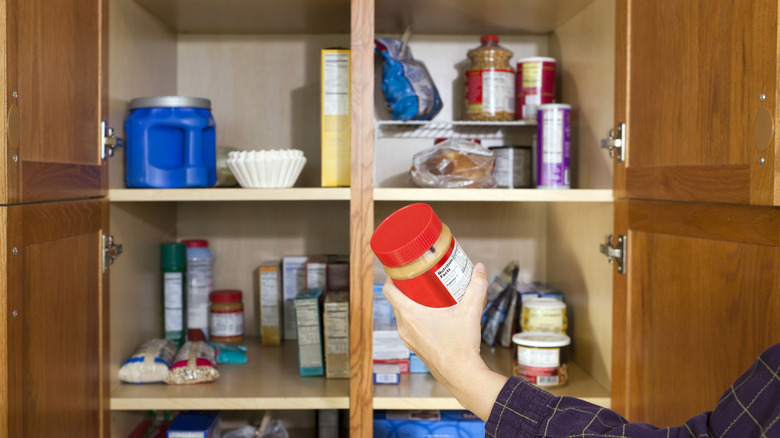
258 62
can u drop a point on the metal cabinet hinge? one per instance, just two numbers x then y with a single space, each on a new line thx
616 142
110 251
110 141
615 252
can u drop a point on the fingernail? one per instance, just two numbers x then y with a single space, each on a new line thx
480 268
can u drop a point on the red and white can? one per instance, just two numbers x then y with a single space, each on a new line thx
542 358
535 85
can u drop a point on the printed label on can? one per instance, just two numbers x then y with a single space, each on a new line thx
535 86
455 273
553 148
227 324
538 365
490 91
544 320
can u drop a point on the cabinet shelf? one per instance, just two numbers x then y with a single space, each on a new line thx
446 129
227 194
243 17
493 195
269 380
332 16
421 391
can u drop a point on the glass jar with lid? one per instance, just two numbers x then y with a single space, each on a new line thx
490 82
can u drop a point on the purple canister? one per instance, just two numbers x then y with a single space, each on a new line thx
553 146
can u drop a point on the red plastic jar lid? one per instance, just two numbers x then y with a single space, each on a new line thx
487 38
406 234
225 296
196 243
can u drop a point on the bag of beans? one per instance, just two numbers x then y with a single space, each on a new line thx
195 362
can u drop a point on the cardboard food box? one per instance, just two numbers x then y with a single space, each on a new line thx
335 119
195 424
293 283
270 291
420 424
307 315
336 322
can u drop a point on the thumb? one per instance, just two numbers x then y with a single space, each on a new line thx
477 288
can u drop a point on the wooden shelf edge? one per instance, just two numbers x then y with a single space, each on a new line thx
421 391
230 194
139 404
493 195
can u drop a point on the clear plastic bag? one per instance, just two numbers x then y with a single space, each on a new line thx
408 88
454 163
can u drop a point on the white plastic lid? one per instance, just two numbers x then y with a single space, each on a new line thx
536 59
550 106
544 303
541 339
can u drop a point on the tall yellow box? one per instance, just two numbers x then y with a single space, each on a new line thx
270 287
335 123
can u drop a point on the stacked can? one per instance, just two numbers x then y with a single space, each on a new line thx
553 146
535 85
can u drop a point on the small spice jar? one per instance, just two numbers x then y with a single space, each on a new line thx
544 315
490 82
422 257
542 358
226 317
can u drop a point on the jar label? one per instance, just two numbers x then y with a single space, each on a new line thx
227 324
544 320
490 91
455 272
539 366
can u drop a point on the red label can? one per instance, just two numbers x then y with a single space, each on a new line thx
535 85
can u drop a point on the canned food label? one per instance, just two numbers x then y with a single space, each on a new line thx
538 365
535 86
490 91
455 272
227 324
544 320
553 154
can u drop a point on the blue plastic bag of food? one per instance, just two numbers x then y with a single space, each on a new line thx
409 90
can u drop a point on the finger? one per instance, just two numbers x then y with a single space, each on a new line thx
477 288
394 295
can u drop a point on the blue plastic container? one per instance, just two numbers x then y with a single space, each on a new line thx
171 142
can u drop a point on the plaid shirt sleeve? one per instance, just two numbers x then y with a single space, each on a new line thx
749 408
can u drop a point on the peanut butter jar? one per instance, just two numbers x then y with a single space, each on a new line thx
422 257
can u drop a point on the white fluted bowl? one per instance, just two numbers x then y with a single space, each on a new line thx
274 168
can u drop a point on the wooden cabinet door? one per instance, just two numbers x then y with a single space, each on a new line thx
696 85
56 100
698 303
56 320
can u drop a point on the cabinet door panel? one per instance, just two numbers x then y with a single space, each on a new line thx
58 341
57 69
697 306
690 76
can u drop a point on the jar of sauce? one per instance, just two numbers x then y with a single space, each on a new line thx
226 317
421 256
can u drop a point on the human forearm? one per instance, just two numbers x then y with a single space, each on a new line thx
474 385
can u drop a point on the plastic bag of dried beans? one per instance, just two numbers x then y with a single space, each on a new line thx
409 90
195 362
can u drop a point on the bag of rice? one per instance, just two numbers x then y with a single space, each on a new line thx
150 363
195 362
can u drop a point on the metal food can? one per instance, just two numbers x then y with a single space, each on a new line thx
553 146
535 85
513 166
542 358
